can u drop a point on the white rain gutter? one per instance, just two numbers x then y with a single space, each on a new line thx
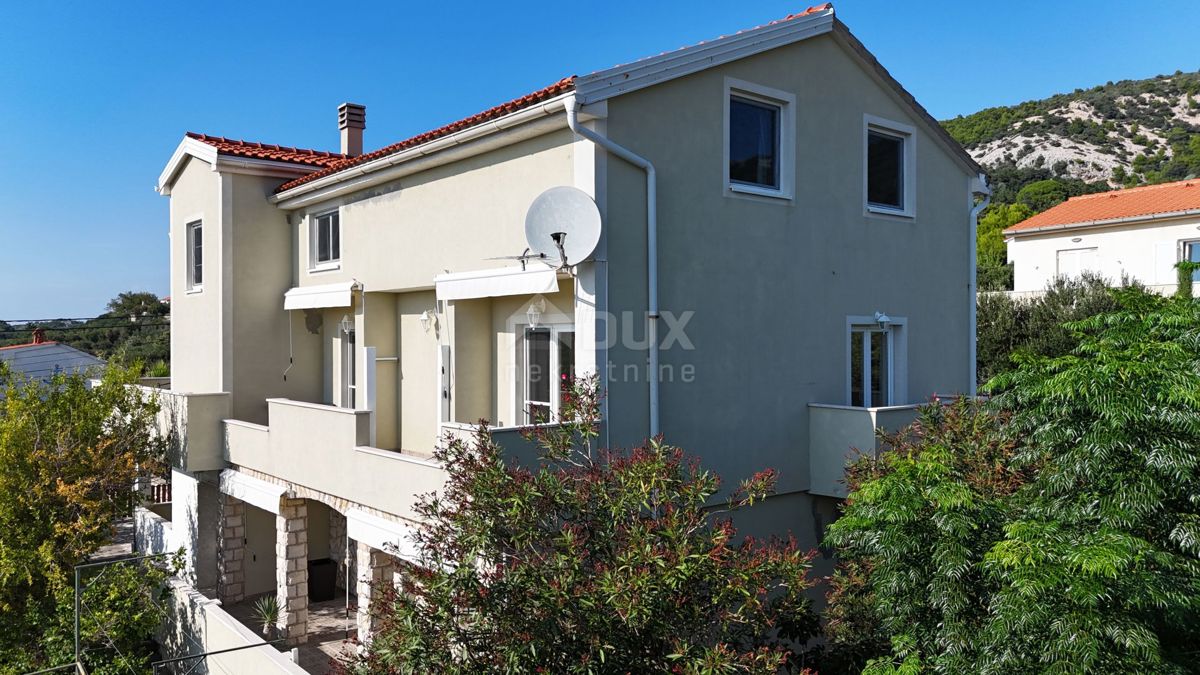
572 107
977 186
1085 224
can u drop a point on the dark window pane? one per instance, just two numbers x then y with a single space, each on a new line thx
537 344
197 255
879 369
1193 254
323 239
335 235
856 368
753 143
885 170
566 362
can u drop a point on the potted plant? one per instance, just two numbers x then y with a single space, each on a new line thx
266 612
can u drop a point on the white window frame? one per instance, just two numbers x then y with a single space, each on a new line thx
786 102
897 345
908 134
522 359
334 263
1182 256
190 272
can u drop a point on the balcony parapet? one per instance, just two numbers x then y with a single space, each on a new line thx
837 434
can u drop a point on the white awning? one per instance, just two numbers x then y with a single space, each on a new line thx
253 491
381 533
496 282
325 295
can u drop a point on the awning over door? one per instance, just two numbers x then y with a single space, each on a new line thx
315 297
496 282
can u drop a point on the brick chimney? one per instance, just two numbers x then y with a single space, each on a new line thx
39 336
352 119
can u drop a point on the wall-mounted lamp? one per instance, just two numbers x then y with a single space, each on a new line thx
346 324
428 320
883 319
536 308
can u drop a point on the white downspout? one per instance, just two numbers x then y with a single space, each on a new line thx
572 107
977 186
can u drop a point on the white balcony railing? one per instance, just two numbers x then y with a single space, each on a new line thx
837 434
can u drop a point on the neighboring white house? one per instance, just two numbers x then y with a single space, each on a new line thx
797 226
42 359
1139 233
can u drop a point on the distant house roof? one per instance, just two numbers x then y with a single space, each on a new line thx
1150 202
41 360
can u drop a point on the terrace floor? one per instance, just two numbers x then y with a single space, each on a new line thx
328 629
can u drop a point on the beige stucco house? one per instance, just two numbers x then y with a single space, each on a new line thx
794 227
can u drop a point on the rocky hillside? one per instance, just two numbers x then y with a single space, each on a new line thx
1124 133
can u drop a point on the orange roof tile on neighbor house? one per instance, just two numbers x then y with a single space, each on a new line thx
278 153
563 86
1149 202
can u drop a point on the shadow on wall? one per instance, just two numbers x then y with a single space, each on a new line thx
197 625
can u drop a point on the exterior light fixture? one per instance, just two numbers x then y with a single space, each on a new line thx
535 312
882 319
428 320
346 324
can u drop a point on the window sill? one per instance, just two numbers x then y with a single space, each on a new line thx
886 211
325 267
741 188
195 290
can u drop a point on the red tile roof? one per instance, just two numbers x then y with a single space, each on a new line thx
563 86
558 88
1136 202
278 153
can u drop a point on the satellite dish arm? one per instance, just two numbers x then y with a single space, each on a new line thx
572 108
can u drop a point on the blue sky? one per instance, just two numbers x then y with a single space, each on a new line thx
94 97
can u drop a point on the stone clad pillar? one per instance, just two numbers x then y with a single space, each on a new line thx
291 568
375 568
231 550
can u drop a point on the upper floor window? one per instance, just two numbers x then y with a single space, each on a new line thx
195 255
326 241
889 167
759 150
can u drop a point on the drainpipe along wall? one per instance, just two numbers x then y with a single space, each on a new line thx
977 186
572 108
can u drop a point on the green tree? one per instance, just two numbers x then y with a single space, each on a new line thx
69 454
1100 570
588 562
1043 194
991 250
1057 529
912 539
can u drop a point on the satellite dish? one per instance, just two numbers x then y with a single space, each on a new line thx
562 226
